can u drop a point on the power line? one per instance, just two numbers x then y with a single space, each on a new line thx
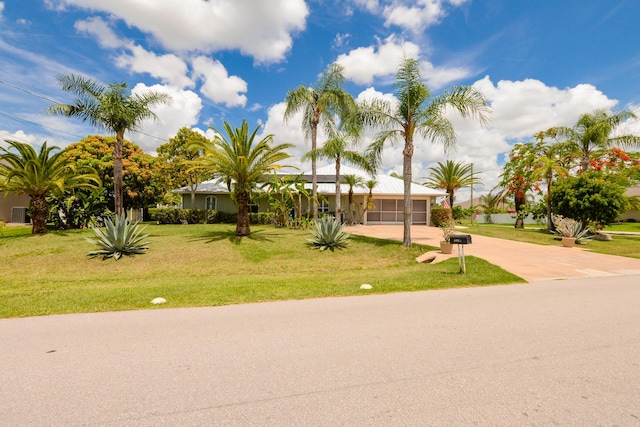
28 92
18 119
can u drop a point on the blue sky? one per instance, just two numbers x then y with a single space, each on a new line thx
540 64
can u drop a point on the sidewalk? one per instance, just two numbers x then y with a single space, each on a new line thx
529 261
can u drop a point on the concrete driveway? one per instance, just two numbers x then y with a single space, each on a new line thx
529 261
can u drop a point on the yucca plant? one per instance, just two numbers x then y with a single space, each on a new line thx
328 234
119 237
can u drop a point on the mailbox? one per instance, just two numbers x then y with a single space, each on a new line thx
460 239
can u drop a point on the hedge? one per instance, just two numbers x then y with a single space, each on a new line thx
203 216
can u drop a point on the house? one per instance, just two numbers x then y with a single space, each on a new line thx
387 206
632 214
13 208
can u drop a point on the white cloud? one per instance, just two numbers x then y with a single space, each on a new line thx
217 84
183 110
364 64
169 68
261 29
101 31
417 15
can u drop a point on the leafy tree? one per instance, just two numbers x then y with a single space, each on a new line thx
417 111
451 176
175 161
320 104
139 185
112 108
518 177
76 209
589 197
597 131
337 149
242 163
352 181
38 175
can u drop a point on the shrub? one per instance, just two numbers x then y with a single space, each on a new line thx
567 227
440 215
328 234
120 237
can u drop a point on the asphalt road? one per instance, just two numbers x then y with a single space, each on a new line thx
550 353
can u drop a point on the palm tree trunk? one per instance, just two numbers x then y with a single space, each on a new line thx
549 221
338 207
406 173
314 176
38 211
242 225
117 173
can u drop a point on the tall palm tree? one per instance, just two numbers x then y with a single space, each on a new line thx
451 176
595 131
417 110
39 174
352 181
320 104
337 149
242 162
370 185
112 108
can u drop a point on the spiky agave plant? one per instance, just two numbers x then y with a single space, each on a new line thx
328 234
119 237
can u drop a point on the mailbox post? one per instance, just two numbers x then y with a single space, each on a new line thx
461 240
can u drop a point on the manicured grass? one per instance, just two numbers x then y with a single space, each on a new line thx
207 265
621 245
624 227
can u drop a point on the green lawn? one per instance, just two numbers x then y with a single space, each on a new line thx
622 245
207 265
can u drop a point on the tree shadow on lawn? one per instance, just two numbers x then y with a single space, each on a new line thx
217 236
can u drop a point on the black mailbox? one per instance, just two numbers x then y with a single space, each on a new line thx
460 239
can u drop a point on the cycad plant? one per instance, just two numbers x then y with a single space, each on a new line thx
329 234
119 237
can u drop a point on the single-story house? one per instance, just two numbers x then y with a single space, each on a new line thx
632 214
13 208
387 206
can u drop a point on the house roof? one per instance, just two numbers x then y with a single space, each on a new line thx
387 185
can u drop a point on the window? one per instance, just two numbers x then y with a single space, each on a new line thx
211 203
323 206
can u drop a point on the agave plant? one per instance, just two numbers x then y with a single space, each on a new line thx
119 237
568 227
328 234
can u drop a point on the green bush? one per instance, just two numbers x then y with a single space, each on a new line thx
440 216
204 216
262 218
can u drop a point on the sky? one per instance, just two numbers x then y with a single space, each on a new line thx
538 63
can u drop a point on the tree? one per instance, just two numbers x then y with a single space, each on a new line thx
175 161
595 131
417 110
489 204
24 171
112 108
452 176
589 197
242 163
370 185
337 149
518 177
352 181
320 104
140 189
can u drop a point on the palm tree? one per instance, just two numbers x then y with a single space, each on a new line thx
417 110
489 203
352 181
337 149
370 184
452 176
595 131
24 171
242 163
112 108
320 104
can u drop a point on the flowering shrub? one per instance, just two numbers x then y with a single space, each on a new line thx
447 227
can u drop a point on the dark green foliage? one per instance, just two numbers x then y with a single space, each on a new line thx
119 237
203 216
589 197
459 213
328 234
440 215
76 210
